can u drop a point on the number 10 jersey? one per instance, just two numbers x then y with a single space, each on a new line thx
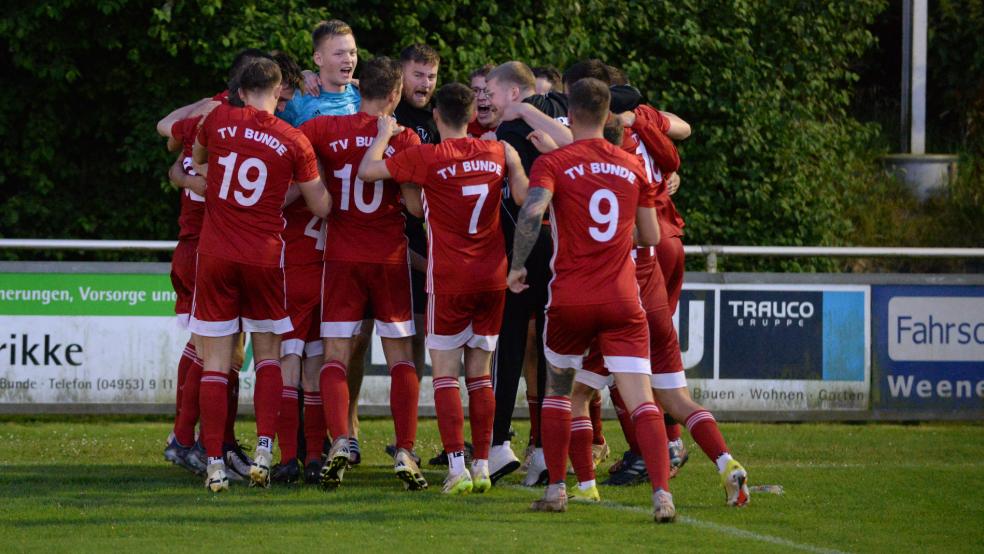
366 223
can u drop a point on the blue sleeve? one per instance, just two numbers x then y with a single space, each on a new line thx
291 110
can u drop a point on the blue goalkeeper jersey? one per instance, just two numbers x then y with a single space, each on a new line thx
303 107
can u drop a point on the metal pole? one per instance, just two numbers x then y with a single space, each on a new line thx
904 113
920 22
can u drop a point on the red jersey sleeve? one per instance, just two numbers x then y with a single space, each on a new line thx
305 162
649 125
206 126
411 165
542 174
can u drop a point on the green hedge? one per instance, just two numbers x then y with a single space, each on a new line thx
766 84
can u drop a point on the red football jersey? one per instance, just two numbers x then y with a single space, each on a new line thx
661 158
596 188
304 235
192 204
476 130
253 157
366 223
222 96
462 184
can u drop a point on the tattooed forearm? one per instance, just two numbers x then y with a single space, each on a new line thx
528 226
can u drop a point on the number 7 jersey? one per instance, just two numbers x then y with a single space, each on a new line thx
596 189
462 188
253 157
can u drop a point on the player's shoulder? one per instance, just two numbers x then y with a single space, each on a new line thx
406 139
182 128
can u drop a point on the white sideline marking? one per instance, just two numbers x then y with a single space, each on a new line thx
726 529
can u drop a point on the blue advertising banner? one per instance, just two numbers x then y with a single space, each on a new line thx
776 347
929 348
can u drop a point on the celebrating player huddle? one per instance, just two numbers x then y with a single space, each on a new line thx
299 225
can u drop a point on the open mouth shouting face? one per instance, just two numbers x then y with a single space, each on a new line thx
419 82
486 115
336 59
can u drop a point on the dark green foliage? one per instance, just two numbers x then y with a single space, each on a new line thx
766 85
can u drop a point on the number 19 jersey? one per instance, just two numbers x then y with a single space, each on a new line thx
366 223
462 188
253 157
596 189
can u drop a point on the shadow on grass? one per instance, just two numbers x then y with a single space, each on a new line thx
64 494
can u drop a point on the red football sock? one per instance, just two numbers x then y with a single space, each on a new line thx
672 431
314 426
233 407
624 419
581 434
481 413
184 427
266 399
186 360
555 430
404 394
287 424
335 398
704 429
533 403
652 441
594 410
450 416
672 427
213 395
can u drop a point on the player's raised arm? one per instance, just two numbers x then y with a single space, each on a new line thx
539 121
527 232
519 183
679 129
373 168
201 107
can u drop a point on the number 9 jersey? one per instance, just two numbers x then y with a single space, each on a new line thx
596 189
253 157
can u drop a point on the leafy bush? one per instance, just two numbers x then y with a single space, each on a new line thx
765 83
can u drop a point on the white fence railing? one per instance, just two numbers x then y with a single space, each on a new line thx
710 252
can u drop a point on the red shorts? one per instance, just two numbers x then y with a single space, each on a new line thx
183 279
664 348
671 261
227 292
470 319
619 328
351 291
304 309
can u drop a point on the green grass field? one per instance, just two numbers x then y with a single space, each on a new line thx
86 484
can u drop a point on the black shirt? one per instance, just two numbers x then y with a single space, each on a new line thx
421 121
515 132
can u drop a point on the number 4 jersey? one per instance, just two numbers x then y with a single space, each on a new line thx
462 183
253 157
596 188
366 223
